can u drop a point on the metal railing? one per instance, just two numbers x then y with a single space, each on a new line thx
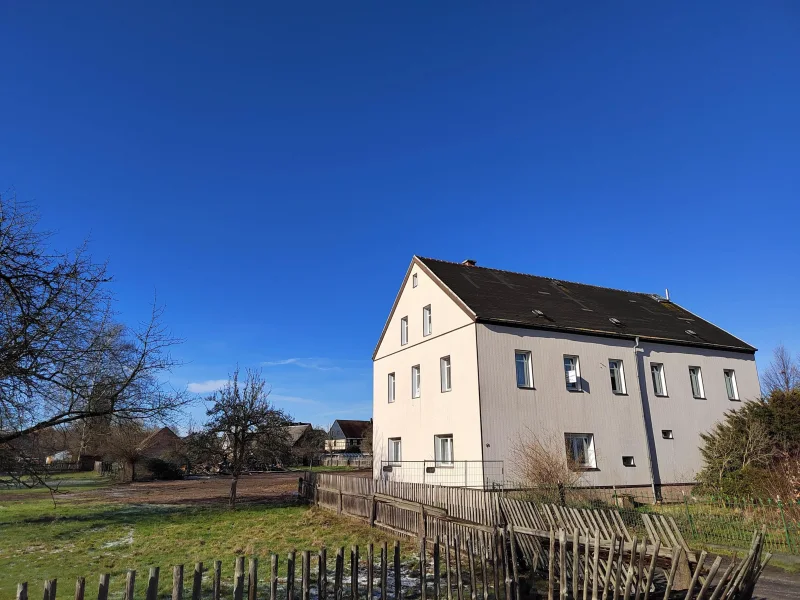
476 474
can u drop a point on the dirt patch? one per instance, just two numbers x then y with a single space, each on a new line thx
267 488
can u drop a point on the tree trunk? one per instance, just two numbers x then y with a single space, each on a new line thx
133 471
232 498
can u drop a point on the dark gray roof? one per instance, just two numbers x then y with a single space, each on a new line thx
352 428
506 297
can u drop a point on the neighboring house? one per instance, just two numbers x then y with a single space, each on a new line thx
346 434
163 443
297 433
473 360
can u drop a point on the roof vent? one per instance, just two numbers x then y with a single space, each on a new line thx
537 312
691 332
469 262
616 321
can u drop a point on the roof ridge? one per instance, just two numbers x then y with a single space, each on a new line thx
602 287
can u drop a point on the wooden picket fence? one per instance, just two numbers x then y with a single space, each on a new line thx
579 549
575 567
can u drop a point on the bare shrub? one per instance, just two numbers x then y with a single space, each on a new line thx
544 469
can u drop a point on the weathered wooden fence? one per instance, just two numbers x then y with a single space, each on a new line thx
574 567
579 549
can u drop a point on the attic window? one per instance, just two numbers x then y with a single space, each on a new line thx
537 312
616 321
691 332
414 280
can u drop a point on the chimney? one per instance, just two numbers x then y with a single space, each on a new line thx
469 262
667 296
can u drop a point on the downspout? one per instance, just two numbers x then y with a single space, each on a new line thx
644 419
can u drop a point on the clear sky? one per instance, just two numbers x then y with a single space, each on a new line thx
268 169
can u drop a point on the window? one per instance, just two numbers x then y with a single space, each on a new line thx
659 382
414 280
427 324
617 373
403 331
395 451
415 381
580 450
524 371
444 368
667 434
628 461
730 384
443 449
572 373
696 379
391 387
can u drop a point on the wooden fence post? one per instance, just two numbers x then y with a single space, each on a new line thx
177 582
252 579
370 570
384 573
152 584
306 575
459 578
197 581
273 576
322 574
217 585
290 567
436 568
238 578
473 592
102 590
353 572
398 584
80 588
130 583
423 584
22 591
50 589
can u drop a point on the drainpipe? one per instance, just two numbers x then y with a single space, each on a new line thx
644 420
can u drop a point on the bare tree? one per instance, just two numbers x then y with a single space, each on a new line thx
783 373
63 357
248 422
123 442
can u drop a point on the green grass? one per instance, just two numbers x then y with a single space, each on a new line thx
39 541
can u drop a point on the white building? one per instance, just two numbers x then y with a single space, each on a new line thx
472 361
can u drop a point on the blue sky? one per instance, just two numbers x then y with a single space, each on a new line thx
269 169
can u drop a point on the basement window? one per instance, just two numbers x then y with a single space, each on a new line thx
628 461
667 434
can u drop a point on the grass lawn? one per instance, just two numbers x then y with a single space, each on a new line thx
82 536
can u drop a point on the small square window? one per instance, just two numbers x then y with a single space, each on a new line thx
667 434
427 323
628 461
617 373
572 373
522 358
696 381
414 280
391 387
403 331
580 450
730 384
443 450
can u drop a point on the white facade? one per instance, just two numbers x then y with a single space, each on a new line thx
638 439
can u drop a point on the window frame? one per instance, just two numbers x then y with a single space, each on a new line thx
427 321
416 382
662 377
395 443
528 359
392 388
445 374
404 331
734 388
621 375
589 451
700 388
437 450
578 383
414 281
